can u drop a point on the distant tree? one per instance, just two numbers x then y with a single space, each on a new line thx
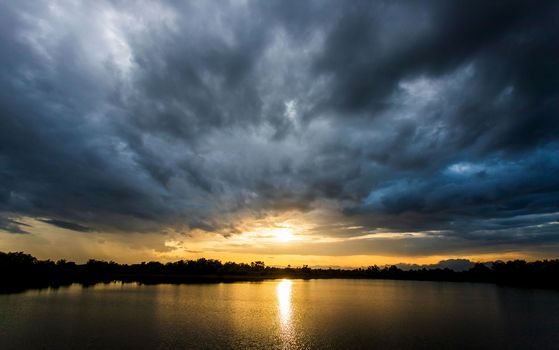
257 265
20 270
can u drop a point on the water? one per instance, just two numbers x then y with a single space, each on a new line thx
282 314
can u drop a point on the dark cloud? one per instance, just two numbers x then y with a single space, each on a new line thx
12 226
432 116
66 225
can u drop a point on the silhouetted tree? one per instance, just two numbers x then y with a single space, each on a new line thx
19 271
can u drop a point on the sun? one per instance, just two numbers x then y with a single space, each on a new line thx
283 234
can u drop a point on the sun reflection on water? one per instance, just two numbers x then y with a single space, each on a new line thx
284 302
285 311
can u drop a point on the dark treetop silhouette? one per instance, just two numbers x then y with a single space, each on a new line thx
20 271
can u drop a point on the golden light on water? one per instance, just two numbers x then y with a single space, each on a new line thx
284 301
285 312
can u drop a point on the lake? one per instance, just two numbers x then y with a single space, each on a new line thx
282 314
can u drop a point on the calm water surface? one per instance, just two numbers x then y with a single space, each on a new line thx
282 314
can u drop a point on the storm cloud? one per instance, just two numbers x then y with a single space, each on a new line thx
434 116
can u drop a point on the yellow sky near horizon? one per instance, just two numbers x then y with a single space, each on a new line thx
278 245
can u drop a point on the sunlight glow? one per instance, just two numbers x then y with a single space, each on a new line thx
283 234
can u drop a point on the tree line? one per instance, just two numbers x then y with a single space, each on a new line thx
20 271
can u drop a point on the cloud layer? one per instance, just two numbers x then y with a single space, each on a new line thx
435 117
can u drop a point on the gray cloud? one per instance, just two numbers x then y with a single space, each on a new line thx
66 225
432 116
12 226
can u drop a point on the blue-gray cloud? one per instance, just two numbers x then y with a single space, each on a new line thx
433 116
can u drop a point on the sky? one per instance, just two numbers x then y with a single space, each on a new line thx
327 133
